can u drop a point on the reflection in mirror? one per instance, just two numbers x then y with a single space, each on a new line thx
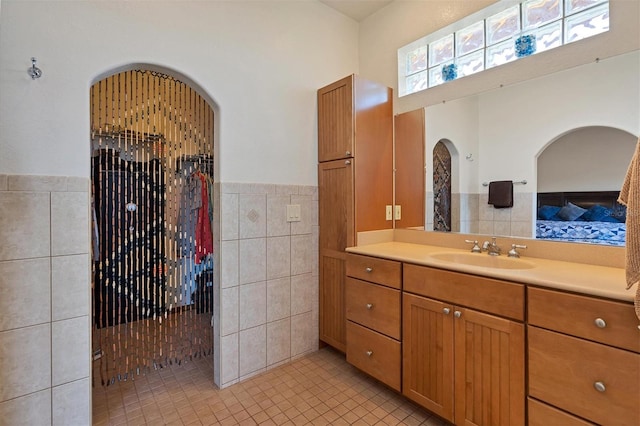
502 135
579 203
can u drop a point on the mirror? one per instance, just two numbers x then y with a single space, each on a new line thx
520 131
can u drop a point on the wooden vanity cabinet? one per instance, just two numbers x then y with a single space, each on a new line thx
584 359
355 184
463 346
373 302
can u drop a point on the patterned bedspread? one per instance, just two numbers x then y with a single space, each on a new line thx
607 233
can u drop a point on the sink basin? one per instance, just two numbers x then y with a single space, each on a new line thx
484 260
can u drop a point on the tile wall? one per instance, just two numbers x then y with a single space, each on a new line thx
267 292
470 213
44 307
268 278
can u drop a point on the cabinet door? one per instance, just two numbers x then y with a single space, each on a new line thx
410 168
489 364
335 120
427 354
335 190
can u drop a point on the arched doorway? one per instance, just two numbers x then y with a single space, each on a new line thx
152 147
442 174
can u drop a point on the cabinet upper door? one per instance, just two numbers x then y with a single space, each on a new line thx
336 120
336 205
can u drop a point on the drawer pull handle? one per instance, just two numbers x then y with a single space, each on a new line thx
446 311
347 162
368 269
600 323
369 305
457 314
599 386
369 353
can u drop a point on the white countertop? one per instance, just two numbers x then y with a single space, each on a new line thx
594 280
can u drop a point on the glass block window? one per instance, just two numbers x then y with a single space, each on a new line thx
502 33
536 13
503 25
441 51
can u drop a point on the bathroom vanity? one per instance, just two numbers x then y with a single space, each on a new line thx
486 340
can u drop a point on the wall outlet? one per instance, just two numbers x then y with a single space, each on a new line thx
398 213
293 213
389 212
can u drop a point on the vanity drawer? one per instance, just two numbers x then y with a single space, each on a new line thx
613 323
565 372
375 354
374 306
375 270
497 297
541 414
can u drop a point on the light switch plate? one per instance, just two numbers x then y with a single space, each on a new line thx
398 213
389 213
293 213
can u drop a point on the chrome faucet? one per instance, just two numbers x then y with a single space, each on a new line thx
491 247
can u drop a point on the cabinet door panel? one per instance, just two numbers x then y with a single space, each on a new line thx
427 354
332 315
335 120
335 205
489 363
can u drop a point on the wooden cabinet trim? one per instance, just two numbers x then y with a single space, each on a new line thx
497 297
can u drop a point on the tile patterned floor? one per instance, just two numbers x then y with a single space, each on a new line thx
317 389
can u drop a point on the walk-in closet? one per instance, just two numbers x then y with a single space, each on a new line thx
152 145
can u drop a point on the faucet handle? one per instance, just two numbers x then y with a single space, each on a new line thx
514 252
476 247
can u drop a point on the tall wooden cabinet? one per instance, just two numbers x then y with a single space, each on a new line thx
355 184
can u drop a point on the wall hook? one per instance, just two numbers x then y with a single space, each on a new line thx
469 157
34 71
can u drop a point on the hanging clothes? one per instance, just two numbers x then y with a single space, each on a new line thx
204 237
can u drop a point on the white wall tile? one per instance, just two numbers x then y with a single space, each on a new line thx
37 183
277 224
4 182
302 334
523 203
302 293
26 361
70 349
501 228
70 284
301 254
32 409
253 305
253 349
278 341
69 223
229 311
278 257
229 217
230 263
229 358
253 260
71 403
26 298
252 215
78 184
25 225
278 299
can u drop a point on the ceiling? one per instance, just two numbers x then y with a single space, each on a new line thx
357 9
